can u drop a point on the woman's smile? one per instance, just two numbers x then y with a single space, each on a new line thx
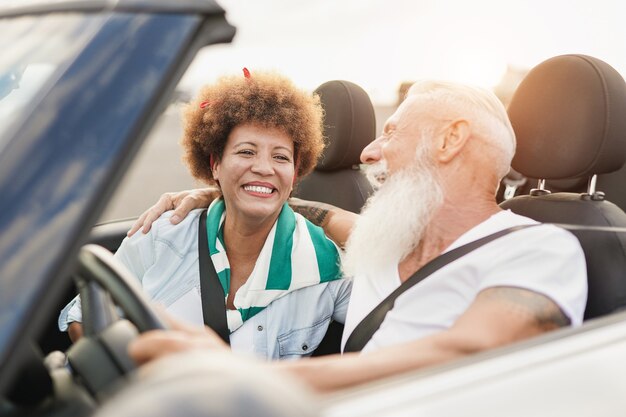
256 171
259 189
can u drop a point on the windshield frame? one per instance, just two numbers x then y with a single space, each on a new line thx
101 109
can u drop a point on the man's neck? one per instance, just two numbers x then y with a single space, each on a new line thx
447 225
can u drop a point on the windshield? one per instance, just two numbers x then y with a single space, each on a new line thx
34 49
35 52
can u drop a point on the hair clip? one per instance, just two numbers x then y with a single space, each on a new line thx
246 73
205 104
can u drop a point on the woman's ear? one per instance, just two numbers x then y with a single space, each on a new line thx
216 175
453 140
215 164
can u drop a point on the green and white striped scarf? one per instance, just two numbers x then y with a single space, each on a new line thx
296 254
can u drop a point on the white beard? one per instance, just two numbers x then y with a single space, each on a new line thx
394 219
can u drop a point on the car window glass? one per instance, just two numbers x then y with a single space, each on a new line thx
34 50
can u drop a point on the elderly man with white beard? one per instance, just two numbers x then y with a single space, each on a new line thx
437 167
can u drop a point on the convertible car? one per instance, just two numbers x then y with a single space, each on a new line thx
81 85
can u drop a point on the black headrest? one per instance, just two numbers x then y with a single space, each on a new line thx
349 124
569 117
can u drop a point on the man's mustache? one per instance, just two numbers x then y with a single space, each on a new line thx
377 173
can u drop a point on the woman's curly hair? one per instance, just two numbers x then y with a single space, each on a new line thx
264 98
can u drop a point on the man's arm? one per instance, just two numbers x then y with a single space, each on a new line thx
498 316
180 337
181 202
336 222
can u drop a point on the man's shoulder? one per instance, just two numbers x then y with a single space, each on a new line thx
532 239
508 218
545 230
553 237
532 229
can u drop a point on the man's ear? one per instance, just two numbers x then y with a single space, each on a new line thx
453 140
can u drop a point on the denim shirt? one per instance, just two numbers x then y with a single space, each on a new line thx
166 262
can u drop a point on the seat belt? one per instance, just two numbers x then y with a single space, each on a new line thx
364 331
211 291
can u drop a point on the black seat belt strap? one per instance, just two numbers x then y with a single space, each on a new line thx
364 331
211 291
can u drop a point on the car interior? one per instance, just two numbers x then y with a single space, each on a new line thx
349 126
567 116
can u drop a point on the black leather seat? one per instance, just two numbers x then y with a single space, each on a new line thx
569 116
611 184
349 126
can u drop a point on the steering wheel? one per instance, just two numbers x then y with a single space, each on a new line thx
100 357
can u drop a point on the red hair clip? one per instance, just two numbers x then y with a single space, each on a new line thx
246 73
205 104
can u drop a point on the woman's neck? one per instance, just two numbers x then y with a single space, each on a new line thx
244 238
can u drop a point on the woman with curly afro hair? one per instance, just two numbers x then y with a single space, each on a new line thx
252 136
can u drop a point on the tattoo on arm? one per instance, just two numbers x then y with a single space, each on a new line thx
541 309
315 215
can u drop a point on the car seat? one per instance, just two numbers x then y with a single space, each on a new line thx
569 116
349 126
611 184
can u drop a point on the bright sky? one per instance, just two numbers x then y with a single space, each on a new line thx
380 43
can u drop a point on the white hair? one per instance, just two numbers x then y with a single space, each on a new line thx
395 217
485 112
